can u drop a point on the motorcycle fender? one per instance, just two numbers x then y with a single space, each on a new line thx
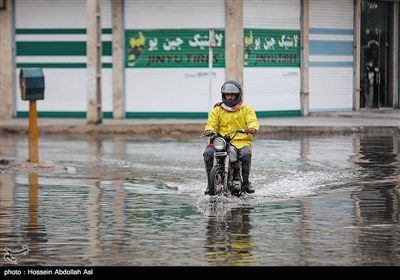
226 165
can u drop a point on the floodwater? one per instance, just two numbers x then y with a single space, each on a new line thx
121 201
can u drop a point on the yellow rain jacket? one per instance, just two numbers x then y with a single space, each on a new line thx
225 123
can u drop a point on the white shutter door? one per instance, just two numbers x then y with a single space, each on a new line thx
272 88
171 90
51 35
331 55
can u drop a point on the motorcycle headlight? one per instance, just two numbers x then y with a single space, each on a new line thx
219 144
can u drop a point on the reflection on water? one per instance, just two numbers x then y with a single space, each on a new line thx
35 232
228 238
378 201
137 202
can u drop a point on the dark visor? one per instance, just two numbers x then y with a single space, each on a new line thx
230 88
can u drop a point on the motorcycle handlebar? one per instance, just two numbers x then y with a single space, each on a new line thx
213 133
210 134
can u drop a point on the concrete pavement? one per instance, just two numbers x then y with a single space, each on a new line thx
371 122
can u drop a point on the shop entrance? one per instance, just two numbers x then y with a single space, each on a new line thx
375 38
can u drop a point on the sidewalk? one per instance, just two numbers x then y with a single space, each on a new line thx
375 122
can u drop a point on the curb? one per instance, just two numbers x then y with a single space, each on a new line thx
176 130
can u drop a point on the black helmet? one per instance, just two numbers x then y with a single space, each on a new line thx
231 87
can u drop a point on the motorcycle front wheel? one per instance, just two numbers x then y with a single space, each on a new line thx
216 180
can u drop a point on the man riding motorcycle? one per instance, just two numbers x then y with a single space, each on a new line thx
226 117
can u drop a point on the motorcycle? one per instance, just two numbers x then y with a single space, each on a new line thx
225 175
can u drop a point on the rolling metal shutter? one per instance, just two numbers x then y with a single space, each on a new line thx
169 89
331 55
52 35
272 89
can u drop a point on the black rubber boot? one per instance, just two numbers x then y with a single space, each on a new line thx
236 175
208 166
246 167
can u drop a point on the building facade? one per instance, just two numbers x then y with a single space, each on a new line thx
292 57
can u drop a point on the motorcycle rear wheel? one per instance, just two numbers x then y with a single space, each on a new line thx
216 180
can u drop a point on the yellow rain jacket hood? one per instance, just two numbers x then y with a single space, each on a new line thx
225 123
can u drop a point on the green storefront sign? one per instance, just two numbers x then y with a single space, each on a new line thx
173 48
190 48
271 48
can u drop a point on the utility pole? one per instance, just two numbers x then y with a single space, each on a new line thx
305 54
93 52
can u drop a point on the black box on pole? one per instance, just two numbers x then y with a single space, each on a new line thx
31 83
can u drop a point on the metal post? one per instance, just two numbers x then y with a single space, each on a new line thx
33 132
212 44
357 55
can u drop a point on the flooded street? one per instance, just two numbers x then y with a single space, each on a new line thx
124 201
